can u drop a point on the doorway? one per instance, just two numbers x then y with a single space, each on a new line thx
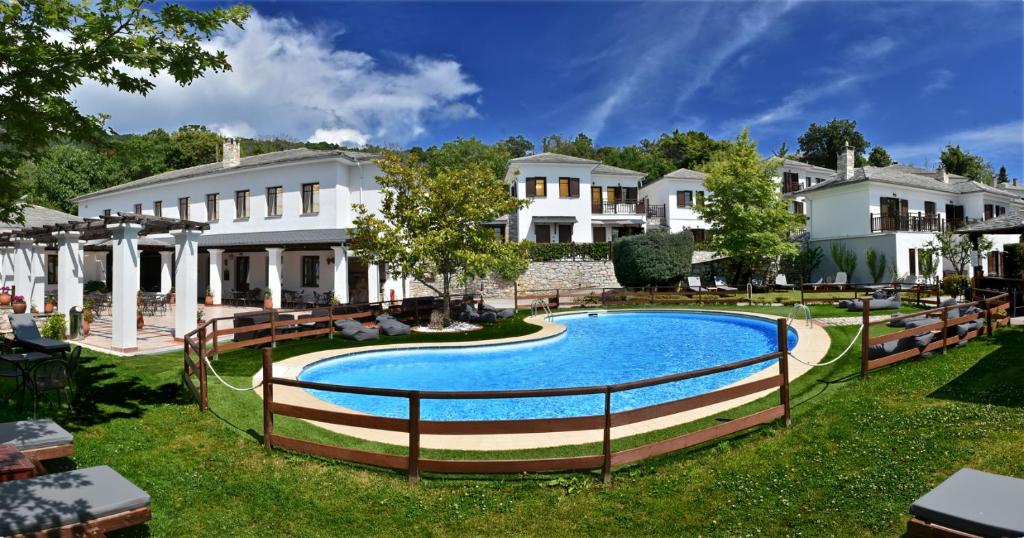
149 271
242 273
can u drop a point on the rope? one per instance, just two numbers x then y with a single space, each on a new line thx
845 351
226 384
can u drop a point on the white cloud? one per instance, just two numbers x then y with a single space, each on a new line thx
288 80
344 137
872 49
794 104
1002 140
940 79
237 129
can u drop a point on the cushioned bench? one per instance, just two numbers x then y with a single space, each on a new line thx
391 326
26 334
353 330
82 502
38 439
970 503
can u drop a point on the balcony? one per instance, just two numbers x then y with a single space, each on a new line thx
961 222
625 207
906 223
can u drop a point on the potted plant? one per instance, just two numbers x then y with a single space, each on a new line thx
200 316
18 304
268 299
87 316
209 298
170 295
139 321
5 296
48 304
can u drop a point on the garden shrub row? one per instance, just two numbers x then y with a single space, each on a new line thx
546 252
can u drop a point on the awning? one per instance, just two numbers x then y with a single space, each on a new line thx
285 238
554 220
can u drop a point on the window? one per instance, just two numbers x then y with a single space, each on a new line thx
596 200
275 200
51 268
212 212
988 211
310 271
568 187
158 209
955 214
798 208
138 209
565 233
106 212
630 194
543 233
1000 210
614 194
600 235
790 182
241 204
684 198
536 187
310 198
183 208
929 209
700 198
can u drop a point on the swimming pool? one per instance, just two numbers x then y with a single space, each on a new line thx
609 348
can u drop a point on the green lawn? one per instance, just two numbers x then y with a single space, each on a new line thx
858 453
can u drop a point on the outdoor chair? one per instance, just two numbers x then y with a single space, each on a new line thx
817 283
841 280
693 283
26 334
391 326
84 502
10 372
970 503
781 283
353 330
721 284
40 440
757 284
47 377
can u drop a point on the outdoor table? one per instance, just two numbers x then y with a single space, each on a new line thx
15 465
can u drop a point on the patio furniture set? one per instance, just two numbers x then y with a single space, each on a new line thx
40 367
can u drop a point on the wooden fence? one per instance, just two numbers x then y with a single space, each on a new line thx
922 294
992 307
603 297
413 463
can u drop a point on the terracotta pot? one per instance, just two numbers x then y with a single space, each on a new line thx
85 327
48 308
139 323
5 299
208 301
170 298
19 308
268 303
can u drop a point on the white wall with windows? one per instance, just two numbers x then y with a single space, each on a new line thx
680 197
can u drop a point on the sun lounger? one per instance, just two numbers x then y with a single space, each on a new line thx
693 282
879 301
781 283
721 284
353 330
970 503
27 335
38 439
84 502
391 326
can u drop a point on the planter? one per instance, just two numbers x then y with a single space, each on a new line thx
5 299
170 298
48 308
208 301
19 308
85 327
268 304
139 323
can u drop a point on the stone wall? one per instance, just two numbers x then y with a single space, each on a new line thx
541 275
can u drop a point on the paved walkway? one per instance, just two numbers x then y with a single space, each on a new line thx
157 334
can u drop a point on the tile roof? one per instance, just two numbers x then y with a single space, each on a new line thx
615 170
36 216
553 158
682 173
1010 223
255 161
812 167
904 176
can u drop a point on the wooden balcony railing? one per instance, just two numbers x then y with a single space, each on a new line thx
625 207
906 223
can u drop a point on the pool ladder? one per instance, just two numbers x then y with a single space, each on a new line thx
540 304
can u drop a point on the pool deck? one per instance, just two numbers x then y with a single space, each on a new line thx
813 344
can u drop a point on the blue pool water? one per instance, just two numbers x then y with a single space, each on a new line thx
606 349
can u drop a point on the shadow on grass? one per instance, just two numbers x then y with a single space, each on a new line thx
105 395
996 379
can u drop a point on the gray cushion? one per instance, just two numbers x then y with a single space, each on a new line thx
33 434
885 349
393 327
488 317
922 340
975 502
845 303
506 313
948 302
362 335
879 294
921 322
54 500
488 308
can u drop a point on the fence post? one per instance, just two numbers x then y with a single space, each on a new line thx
204 402
945 328
988 317
784 369
802 290
330 320
414 437
606 450
268 398
273 328
865 336
652 295
515 296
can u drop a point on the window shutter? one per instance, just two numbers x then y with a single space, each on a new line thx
574 187
680 199
631 194
531 188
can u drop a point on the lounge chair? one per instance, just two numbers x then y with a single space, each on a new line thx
38 439
970 503
841 280
26 334
781 283
693 282
83 502
353 330
817 283
721 284
391 326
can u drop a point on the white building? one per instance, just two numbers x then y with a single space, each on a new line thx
574 200
897 210
40 262
795 175
680 192
277 221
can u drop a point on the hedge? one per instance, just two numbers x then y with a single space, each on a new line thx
545 252
652 259
1014 260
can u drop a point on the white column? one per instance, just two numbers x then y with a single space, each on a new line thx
216 284
38 294
6 266
166 269
274 262
186 281
373 282
23 269
125 277
70 271
340 274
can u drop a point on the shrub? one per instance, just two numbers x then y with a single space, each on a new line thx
876 264
652 259
95 286
844 258
56 327
545 252
1014 260
955 285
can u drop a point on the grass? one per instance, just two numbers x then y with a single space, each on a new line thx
858 453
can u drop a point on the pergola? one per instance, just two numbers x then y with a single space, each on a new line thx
22 252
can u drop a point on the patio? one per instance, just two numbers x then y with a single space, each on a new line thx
157 335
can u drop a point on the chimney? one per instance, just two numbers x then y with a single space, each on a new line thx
1014 182
940 173
844 163
232 152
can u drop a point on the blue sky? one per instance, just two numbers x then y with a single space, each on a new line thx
914 75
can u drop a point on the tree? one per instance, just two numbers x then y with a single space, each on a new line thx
844 258
652 259
141 156
691 149
957 248
820 144
749 220
960 162
431 223
876 264
192 145
517 146
47 48
582 146
464 152
65 171
1002 177
879 157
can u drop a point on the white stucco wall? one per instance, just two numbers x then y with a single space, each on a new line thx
664 192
